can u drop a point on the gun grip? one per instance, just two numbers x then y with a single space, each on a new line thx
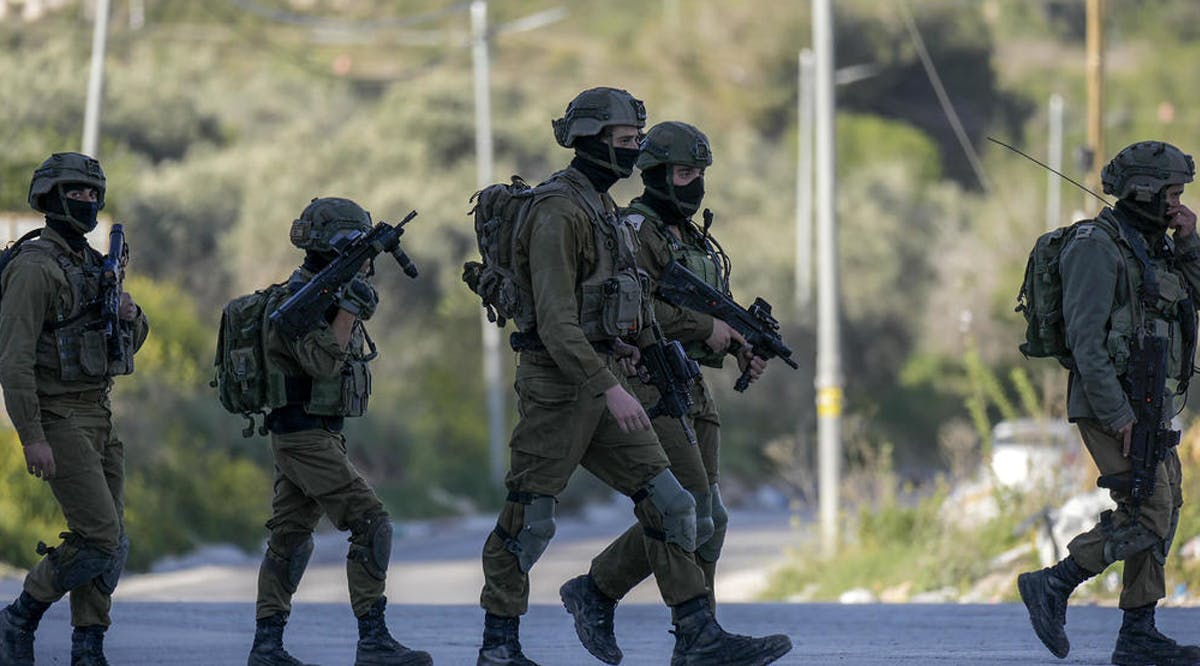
743 382
1121 482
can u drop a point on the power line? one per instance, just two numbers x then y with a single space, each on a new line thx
943 98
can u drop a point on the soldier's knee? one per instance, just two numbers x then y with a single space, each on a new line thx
107 581
710 550
1129 538
705 525
371 543
675 508
537 528
77 561
287 557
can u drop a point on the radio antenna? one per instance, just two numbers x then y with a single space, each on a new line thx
1052 170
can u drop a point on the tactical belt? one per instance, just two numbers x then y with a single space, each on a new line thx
292 418
90 395
522 341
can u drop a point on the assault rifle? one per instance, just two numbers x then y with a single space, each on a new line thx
679 286
299 313
668 369
112 274
1145 384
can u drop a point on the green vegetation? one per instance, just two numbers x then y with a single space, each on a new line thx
221 123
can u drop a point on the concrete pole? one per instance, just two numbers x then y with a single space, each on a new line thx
804 181
484 177
1095 94
828 378
1054 155
95 90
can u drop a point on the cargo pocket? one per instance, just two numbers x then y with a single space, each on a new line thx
547 426
93 353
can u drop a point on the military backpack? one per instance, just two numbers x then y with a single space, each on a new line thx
1040 298
498 211
10 252
244 382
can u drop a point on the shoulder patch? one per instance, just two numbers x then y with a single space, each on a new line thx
1085 230
635 219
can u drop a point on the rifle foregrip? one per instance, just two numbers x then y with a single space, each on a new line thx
743 381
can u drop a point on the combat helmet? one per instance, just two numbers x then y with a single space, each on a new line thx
596 108
1141 170
327 222
62 169
673 142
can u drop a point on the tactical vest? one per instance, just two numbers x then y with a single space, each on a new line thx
698 256
1170 313
73 345
344 395
612 298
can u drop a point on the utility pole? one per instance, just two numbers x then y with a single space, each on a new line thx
95 90
828 378
483 177
1054 155
804 182
1095 94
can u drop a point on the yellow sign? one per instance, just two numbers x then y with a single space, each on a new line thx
829 401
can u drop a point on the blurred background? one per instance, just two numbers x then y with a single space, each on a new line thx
220 120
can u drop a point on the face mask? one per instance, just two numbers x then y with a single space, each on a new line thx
83 214
626 158
688 197
619 161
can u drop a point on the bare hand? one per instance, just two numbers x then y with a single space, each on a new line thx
626 409
39 460
1182 220
1126 434
627 356
129 309
747 359
722 334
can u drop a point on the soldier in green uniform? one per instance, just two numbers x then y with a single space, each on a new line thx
673 160
1123 277
326 376
56 373
580 293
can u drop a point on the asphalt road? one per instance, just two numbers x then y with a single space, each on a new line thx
200 611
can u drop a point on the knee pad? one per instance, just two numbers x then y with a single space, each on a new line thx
710 550
1128 539
288 562
536 531
76 561
107 581
371 544
704 518
1161 556
677 509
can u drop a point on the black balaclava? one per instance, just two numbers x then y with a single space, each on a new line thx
602 163
674 203
1148 217
58 208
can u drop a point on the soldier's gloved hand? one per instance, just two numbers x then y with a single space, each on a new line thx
359 298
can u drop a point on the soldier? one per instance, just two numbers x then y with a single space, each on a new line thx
673 159
326 377
575 262
1124 279
56 373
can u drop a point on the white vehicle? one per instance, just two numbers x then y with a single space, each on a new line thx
1028 453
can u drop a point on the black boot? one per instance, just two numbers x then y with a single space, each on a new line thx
1141 644
17 623
268 644
1045 594
501 643
87 646
376 647
700 641
593 613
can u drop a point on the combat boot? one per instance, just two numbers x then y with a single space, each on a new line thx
376 647
268 643
1141 644
18 621
501 643
700 641
1045 594
87 646
593 613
